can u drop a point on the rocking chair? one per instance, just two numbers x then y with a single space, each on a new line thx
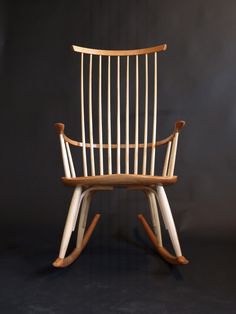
137 168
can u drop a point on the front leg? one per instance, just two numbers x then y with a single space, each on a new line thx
73 210
169 221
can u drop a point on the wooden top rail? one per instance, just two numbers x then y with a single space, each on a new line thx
60 129
131 52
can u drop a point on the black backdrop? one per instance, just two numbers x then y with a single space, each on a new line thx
39 86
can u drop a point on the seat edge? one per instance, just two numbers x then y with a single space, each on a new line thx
119 180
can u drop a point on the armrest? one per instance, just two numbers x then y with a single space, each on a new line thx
178 126
169 163
60 127
65 150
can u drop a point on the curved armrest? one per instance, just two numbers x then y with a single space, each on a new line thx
65 150
60 127
169 163
178 126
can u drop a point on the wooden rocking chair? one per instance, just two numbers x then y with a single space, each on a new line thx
131 173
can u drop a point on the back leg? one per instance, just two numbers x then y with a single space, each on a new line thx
155 216
157 241
83 218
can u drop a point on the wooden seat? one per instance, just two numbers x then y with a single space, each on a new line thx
119 180
118 144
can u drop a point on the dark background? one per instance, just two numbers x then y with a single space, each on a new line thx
118 272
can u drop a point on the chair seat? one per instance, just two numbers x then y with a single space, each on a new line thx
119 180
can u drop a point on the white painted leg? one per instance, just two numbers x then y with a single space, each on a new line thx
166 212
70 221
155 216
83 218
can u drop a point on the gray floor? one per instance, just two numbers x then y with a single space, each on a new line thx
122 275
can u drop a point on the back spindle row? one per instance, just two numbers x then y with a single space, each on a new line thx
116 105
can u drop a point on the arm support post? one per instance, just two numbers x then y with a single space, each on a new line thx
60 128
169 163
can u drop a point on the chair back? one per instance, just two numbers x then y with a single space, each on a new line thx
119 88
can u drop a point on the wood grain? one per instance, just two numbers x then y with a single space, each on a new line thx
131 52
119 180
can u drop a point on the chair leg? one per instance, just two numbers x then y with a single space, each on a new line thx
155 216
159 195
167 216
82 240
70 221
83 218
68 260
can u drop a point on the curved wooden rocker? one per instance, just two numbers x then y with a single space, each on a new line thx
155 236
66 261
105 174
168 257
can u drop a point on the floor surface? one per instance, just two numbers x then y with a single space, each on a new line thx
124 275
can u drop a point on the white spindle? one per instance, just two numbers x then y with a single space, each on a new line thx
127 119
136 119
154 117
64 157
82 115
118 114
72 169
100 116
91 115
109 115
145 117
167 158
173 155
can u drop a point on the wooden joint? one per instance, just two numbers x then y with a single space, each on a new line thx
60 127
179 125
